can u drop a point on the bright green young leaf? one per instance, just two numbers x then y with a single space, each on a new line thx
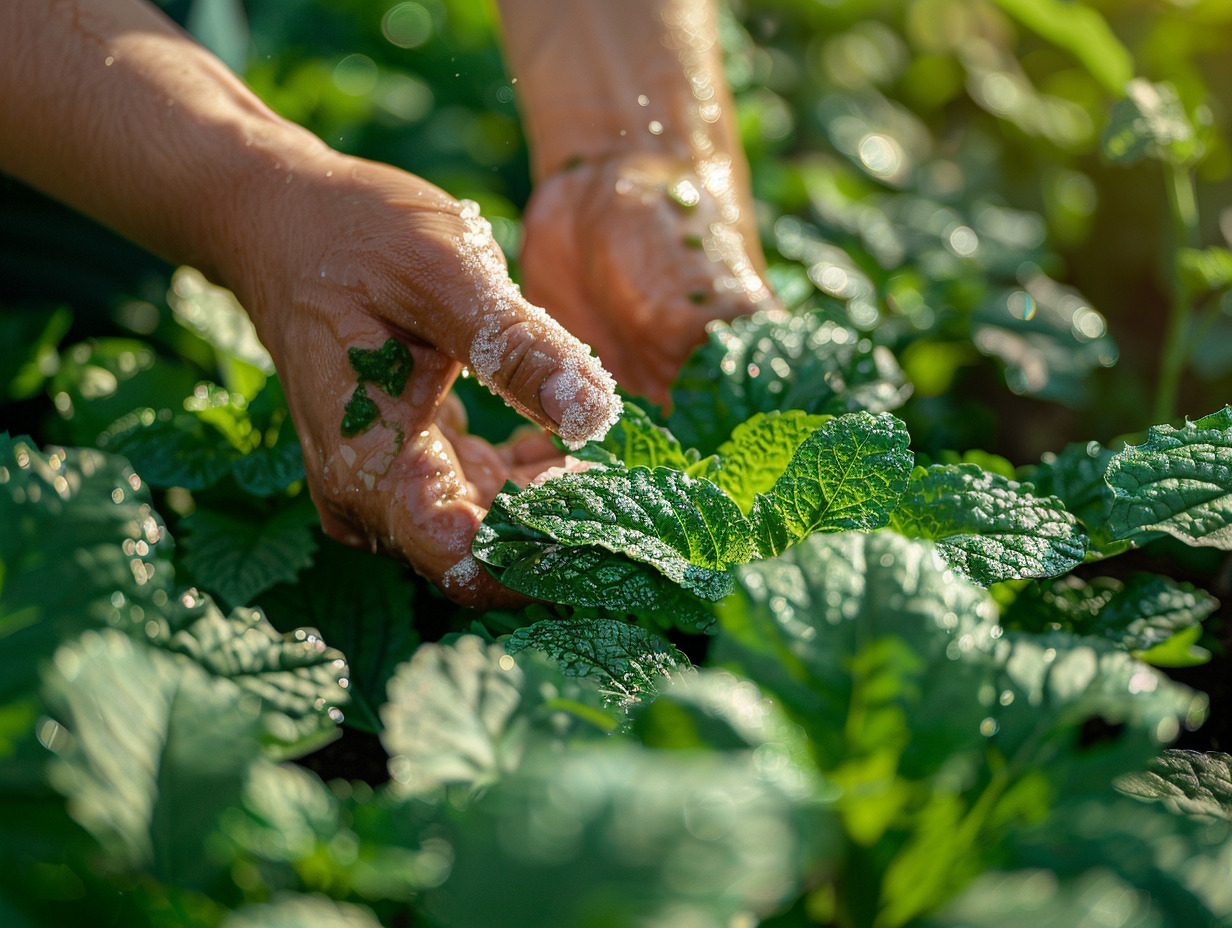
28 342
628 663
363 606
636 440
1083 32
149 768
1186 782
771 360
1178 481
759 451
292 911
238 557
1150 122
846 476
989 528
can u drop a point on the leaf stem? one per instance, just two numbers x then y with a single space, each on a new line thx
1183 205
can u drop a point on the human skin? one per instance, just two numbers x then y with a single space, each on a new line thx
107 106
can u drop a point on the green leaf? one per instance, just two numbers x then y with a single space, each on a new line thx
1076 477
772 360
759 451
172 450
1186 782
149 768
1178 481
989 528
1150 122
362 605
595 577
628 663
271 468
848 475
688 529
1205 270
28 342
238 557
1081 31
292 911
636 440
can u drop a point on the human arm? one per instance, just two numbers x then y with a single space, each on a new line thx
107 106
641 229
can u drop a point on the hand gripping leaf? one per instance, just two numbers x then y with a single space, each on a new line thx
1178 481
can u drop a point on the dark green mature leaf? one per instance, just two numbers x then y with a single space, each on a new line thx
989 528
301 911
1178 481
759 451
239 557
688 529
362 605
595 577
1186 782
149 768
1150 122
1076 477
271 468
636 440
172 450
848 475
628 663
772 360
81 548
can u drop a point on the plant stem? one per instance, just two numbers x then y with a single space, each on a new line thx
1183 205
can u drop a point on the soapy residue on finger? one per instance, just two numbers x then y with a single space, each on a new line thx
584 389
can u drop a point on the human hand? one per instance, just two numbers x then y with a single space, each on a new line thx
349 254
635 253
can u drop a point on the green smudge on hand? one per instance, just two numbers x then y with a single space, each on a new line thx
361 412
388 366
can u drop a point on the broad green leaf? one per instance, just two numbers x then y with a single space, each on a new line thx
28 342
628 663
989 528
688 529
636 440
1083 32
271 468
1178 481
759 451
1150 122
292 911
172 449
81 548
238 557
1076 477
299 680
362 605
148 768
595 577
1186 782
772 360
847 475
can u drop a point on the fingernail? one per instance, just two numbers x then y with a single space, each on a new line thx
557 392
582 412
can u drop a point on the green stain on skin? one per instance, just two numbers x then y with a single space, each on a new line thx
387 367
360 413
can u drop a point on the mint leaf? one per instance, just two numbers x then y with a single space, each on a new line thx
759 451
1150 122
1178 481
1076 477
1186 782
848 475
686 528
627 663
271 468
172 449
772 360
239 557
989 528
636 440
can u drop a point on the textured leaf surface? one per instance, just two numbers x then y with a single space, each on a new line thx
847 475
1076 477
990 528
180 450
1178 481
627 662
772 360
1187 782
759 451
238 557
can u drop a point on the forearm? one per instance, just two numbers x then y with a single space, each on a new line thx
110 108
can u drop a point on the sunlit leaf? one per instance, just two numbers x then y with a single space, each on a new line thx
1187 782
759 451
1150 122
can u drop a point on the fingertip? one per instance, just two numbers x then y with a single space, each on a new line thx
580 398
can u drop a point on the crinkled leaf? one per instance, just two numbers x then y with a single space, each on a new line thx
686 528
989 528
1178 481
270 469
1186 782
1150 122
627 662
172 450
292 911
299 681
759 450
362 605
848 475
81 547
149 768
772 360
238 557
636 440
